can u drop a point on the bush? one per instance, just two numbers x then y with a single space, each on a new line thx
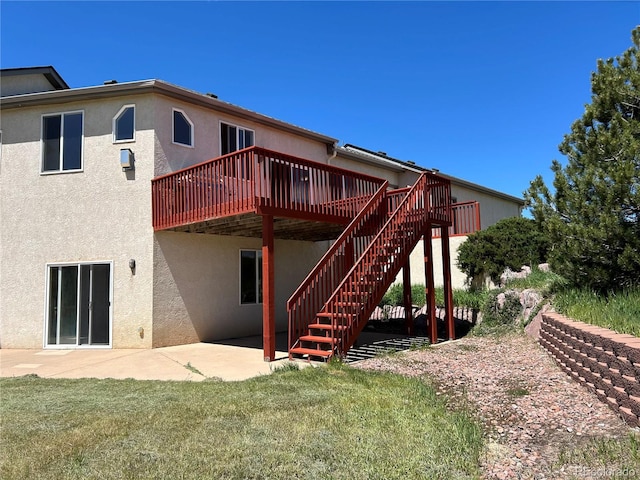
512 242
507 314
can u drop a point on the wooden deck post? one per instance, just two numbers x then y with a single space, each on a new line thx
268 289
406 295
446 271
430 292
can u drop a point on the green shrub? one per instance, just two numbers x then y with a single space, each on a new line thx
512 242
507 314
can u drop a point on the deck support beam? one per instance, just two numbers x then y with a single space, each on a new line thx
406 295
430 292
268 289
448 290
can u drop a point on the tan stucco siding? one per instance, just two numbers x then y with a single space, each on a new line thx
19 84
416 262
197 285
99 214
367 169
206 123
492 208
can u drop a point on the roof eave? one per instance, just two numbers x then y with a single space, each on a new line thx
388 164
157 87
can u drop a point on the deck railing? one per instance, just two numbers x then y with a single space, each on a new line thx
260 181
465 219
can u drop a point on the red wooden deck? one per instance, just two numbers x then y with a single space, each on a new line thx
262 193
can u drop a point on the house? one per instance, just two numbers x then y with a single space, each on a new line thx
143 214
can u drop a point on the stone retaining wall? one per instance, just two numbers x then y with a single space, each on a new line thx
606 362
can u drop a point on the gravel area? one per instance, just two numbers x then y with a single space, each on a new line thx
530 409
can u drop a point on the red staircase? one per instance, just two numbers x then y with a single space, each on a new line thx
334 303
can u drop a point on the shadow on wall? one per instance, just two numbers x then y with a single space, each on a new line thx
196 289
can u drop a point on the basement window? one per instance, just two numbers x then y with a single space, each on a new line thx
250 277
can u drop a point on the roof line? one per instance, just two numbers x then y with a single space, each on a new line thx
370 154
48 71
162 88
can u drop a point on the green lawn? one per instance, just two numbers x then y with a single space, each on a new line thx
334 422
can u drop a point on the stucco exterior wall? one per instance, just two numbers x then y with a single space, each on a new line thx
367 169
492 208
416 262
19 84
99 214
206 123
196 292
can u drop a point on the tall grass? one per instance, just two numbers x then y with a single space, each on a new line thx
461 298
546 282
619 312
333 422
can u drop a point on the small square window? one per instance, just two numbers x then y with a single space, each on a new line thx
182 129
124 124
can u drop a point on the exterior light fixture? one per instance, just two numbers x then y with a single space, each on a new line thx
126 159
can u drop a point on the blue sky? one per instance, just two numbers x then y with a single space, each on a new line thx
483 91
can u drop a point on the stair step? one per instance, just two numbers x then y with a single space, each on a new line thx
348 304
312 352
318 339
326 326
334 314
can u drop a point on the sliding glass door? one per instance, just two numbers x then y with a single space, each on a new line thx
78 304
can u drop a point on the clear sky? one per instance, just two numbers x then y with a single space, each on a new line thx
483 91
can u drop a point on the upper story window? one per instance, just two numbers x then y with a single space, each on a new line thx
234 138
62 136
124 124
182 128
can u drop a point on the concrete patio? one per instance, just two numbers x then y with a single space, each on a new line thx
228 360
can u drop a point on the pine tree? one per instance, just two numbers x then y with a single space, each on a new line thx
592 217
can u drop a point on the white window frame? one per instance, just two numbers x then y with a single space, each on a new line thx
60 170
238 128
173 128
258 253
45 330
115 119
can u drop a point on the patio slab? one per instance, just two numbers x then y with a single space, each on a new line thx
194 362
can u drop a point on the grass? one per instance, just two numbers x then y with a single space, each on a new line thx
603 458
619 312
461 297
331 422
539 280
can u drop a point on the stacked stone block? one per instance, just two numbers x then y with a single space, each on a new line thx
606 362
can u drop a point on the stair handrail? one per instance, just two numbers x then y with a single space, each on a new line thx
346 336
299 320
